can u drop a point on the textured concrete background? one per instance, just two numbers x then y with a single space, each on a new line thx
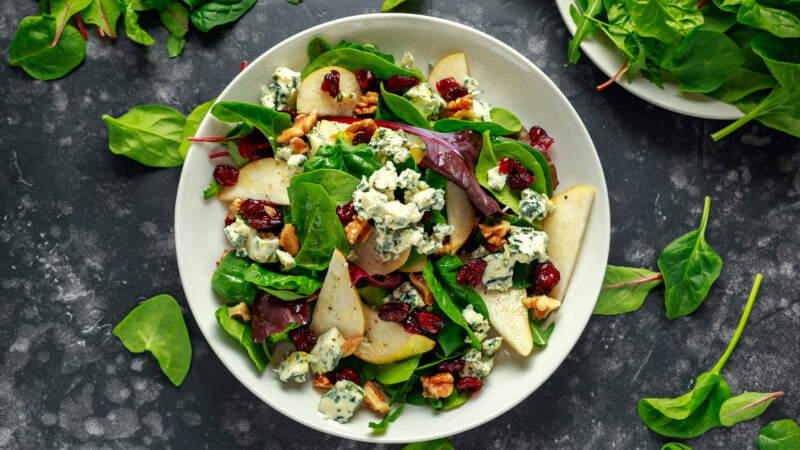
87 235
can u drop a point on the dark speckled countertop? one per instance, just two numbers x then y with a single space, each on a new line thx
87 235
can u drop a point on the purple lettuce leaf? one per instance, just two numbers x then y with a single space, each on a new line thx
272 315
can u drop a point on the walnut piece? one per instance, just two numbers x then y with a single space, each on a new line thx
374 398
349 347
298 145
495 234
233 208
437 386
443 250
366 126
288 241
357 230
460 104
322 382
418 281
302 124
541 305
367 105
240 311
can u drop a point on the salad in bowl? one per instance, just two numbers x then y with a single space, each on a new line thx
389 234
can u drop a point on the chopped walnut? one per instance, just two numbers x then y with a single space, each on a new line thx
367 105
349 347
298 145
422 287
302 124
437 386
233 208
443 250
322 382
460 104
366 126
288 241
271 212
374 398
240 311
541 305
357 230
495 234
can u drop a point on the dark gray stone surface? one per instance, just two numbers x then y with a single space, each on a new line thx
87 235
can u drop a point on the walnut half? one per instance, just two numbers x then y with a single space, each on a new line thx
240 311
288 241
437 386
374 398
357 229
541 305
495 234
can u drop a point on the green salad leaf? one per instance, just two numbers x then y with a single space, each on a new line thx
356 160
243 334
193 121
150 134
624 289
503 123
780 435
436 444
31 48
317 46
402 108
263 278
446 269
229 281
132 28
214 13
317 226
745 407
104 14
704 60
267 120
397 372
337 184
175 18
353 59
446 304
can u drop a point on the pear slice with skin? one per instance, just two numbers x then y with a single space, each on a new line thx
453 65
565 227
388 342
310 96
264 179
460 214
339 304
371 263
509 317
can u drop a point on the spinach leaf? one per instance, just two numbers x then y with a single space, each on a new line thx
436 444
157 326
369 48
776 21
263 278
132 29
704 60
267 120
175 18
62 10
540 336
339 185
503 123
243 334
104 14
451 338
270 341
357 160
690 267
389 5
193 121
388 418
780 435
742 83
317 226
675 446
716 19
352 59
397 372
447 268
455 400
780 110
445 303
585 27
219 12
212 190
175 46
229 281
694 413
665 20
745 407
624 289
317 45
404 110
490 157
30 48
540 158
400 393
781 56
150 134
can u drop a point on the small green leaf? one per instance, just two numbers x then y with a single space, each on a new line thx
436 444
445 303
317 226
353 59
503 123
175 46
317 45
397 372
624 289
388 418
389 5
150 134
675 446
339 185
175 18
267 120
228 279
243 334
264 278
132 29
780 435
219 12
585 27
31 48
193 121
745 407
104 14
404 109
541 336
212 190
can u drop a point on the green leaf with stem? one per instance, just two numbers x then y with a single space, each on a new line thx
745 407
381 426
132 28
436 444
150 134
624 289
404 109
584 29
446 304
212 190
540 334
193 121
62 10
104 14
175 18
31 48
780 435
317 45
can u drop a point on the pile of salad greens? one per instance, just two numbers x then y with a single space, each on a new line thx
744 52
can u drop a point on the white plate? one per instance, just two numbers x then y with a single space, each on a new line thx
608 58
200 241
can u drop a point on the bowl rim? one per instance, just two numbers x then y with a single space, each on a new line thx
601 188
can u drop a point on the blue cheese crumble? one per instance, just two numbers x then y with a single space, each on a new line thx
327 350
342 401
282 92
393 145
294 161
499 270
249 244
495 179
286 259
476 322
534 206
527 244
408 294
407 61
295 366
422 97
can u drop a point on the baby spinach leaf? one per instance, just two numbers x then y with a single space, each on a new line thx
317 45
317 226
776 21
243 334
780 110
150 134
540 158
445 303
540 335
369 48
745 407
219 12
193 121
212 190
716 19
665 20
436 444
675 446
782 57
264 278
780 435
404 109
455 400
704 60
451 338
690 267
490 156
352 59
175 46
339 185
585 27
357 160
175 18
157 326
447 268
269 121
104 14
624 289
389 5
742 83
284 295
132 29
397 372
387 419
30 48
62 10
503 123
228 279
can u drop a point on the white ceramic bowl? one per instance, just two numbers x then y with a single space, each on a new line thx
510 81
608 58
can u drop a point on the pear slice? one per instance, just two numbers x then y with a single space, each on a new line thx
509 317
339 304
565 227
453 65
387 342
327 132
460 214
264 179
371 263
310 96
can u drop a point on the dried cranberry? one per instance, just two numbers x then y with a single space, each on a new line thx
330 83
539 139
397 83
430 323
518 176
546 276
346 212
229 220
254 146
261 214
426 216
468 385
349 375
367 80
412 326
226 175
452 366
450 89
394 312
471 273
303 339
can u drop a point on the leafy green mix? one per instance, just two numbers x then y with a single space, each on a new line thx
744 52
